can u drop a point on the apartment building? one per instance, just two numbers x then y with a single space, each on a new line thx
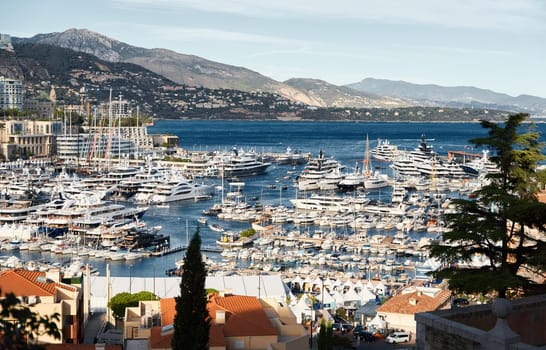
237 322
45 294
31 137
11 94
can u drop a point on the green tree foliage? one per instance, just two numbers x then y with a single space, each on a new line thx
249 232
504 223
192 320
20 327
120 301
321 338
325 337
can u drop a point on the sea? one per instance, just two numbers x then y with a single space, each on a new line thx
344 141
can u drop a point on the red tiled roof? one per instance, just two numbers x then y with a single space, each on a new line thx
82 347
168 310
414 302
245 316
25 283
159 341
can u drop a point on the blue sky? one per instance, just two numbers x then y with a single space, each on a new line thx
491 44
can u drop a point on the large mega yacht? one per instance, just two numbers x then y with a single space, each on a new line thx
238 165
178 190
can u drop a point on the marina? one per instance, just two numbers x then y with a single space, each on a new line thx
380 232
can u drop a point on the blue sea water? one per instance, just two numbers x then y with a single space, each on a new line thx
345 141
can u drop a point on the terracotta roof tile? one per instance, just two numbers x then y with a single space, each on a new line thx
168 310
242 311
24 283
414 302
159 341
81 347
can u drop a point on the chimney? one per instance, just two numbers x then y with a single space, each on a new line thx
413 301
53 274
220 316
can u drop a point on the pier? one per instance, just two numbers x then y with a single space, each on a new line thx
206 248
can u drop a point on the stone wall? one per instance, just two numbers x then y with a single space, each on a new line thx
515 324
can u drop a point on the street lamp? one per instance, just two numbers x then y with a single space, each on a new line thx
322 293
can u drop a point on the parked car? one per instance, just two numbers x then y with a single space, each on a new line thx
336 327
460 302
362 334
367 337
398 337
346 327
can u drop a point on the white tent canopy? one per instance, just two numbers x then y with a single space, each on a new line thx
366 295
169 287
326 299
351 295
338 296
301 307
378 322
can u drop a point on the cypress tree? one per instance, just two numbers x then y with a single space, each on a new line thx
321 338
192 321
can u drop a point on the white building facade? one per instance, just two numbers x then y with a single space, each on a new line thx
11 94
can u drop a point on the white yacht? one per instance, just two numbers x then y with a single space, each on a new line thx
398 194
384 151
241 165
331 204
179 190
351 181
479 166
290 157
376 181
404 166
315 170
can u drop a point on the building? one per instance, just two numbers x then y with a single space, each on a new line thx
114 110
29 137
11 94
39 108
260 286
46 294
516 324
169 141
238 322
5 42
399 311
71 147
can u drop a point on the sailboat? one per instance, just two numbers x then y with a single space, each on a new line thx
373 179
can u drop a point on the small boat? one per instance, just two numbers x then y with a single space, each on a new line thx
216 227
202 220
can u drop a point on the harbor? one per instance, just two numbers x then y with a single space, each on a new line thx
364 232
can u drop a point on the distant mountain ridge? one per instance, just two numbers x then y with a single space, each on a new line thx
462 96
340 96
189 69
195 71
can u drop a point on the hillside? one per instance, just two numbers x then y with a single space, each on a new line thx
196 71
42 66
339 96
459 96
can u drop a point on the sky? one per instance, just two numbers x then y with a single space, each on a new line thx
491 44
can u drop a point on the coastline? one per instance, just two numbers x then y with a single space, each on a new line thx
300 120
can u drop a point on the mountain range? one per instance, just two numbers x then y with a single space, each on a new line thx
190 70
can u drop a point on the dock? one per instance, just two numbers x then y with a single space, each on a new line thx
205 248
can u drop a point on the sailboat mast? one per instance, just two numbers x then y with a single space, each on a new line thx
366 161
